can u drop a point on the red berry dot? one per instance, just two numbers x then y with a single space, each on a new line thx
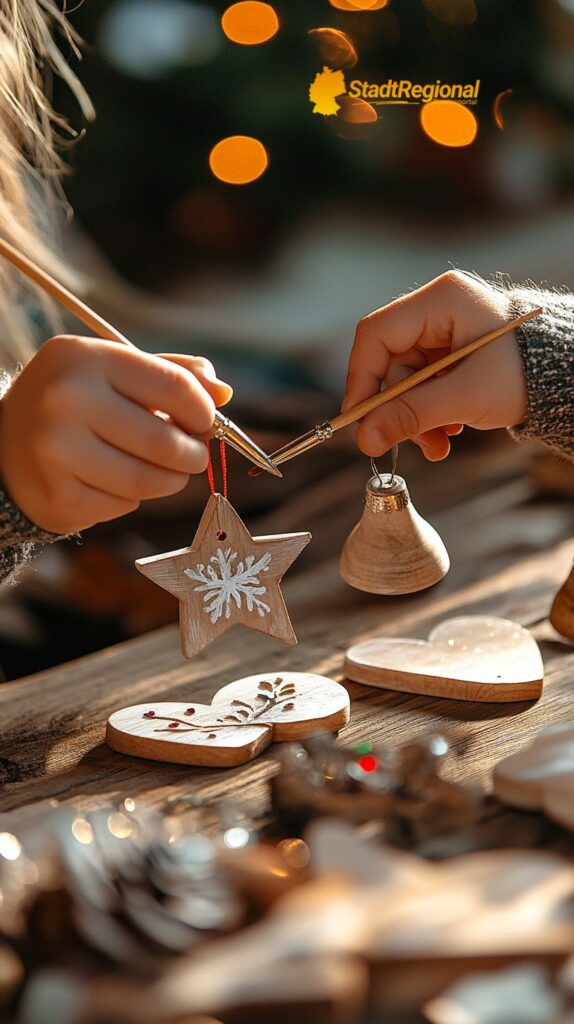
149 714
173 725
190 711
368 763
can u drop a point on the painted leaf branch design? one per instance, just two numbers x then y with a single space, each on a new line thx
224 584
271 694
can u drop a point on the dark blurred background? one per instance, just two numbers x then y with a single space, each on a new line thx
269 278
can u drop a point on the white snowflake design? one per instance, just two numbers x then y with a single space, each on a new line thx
222 583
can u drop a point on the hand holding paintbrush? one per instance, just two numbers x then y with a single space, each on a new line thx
398 345
78 442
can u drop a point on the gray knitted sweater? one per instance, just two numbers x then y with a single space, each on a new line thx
547 348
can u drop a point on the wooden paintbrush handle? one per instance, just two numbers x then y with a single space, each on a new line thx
360 410
223 427
96 323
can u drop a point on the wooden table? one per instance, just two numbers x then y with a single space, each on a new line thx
510 550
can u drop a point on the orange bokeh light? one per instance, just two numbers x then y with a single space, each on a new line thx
334 46
497 108
250 23
359 5
449 123
238 159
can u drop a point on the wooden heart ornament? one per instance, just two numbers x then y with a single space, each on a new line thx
474 657
243 719
541 777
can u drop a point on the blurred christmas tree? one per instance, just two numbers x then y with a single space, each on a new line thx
168 84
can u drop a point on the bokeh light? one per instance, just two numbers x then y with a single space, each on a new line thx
149 38
238 159
236 837
497 108
355 120
10 847
82 831
120 825
334 46
359 5
250 23
356 111
296 852
449 123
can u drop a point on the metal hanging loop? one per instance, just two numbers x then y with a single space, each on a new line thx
375 468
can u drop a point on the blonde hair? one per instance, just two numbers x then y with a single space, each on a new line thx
30 162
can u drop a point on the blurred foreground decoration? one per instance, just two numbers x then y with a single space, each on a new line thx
528 994
399 791
142 917
541 777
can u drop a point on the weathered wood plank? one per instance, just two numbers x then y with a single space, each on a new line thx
509 563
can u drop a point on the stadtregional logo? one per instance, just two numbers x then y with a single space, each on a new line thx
328 85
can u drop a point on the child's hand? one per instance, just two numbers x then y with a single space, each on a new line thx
484 391
78 442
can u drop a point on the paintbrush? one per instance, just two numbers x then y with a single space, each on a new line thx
323 431
223 428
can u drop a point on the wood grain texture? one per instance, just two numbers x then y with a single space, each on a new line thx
392 549
244 718
473 657
223 546
509 556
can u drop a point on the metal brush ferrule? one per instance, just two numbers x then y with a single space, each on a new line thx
313 437
225 429
222 426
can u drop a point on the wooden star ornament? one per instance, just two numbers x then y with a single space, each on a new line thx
227 578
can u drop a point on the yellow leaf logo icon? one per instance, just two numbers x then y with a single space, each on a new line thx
326 86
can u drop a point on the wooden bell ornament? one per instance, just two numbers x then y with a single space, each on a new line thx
562 611
392 549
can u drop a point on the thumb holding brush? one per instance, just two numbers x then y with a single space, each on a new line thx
486 390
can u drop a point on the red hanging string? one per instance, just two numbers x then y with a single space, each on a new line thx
223 460
210 473
209 470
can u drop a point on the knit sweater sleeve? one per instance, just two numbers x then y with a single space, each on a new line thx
19 537
547 349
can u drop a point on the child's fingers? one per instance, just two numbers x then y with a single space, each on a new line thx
434 444
411 415
136 431
419 319
98 465
157 383
204 370
100 507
